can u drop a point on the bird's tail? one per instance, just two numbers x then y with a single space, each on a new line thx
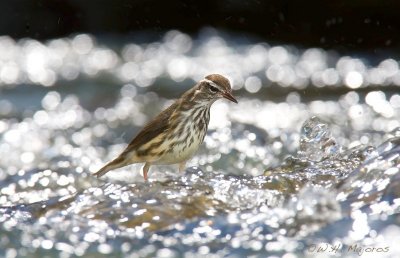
116 163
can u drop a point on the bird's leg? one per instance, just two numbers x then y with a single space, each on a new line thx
182 166
145 170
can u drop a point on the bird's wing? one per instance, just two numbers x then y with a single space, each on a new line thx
152 129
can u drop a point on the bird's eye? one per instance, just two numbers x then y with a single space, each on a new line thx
213 89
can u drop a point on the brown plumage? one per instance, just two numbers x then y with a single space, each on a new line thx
175 134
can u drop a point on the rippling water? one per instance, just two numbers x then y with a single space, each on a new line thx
299 177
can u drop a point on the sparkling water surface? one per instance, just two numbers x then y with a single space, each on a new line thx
283 173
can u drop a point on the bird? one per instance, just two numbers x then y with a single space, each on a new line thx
175 134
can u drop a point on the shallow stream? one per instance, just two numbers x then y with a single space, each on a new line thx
306 165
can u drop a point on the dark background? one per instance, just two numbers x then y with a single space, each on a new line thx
347 24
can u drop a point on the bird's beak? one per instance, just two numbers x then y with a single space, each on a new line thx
229 96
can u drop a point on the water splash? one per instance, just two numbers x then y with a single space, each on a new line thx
316 141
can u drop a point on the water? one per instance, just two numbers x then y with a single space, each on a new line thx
299 177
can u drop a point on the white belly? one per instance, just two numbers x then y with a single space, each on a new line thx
184 148
181 152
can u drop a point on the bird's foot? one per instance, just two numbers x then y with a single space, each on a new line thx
145 170
182 166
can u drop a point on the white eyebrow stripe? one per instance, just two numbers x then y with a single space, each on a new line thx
211 83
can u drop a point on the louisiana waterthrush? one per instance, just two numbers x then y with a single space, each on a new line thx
176 133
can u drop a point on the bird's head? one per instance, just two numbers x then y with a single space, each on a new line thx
214 87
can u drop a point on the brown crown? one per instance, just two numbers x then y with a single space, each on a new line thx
220 80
